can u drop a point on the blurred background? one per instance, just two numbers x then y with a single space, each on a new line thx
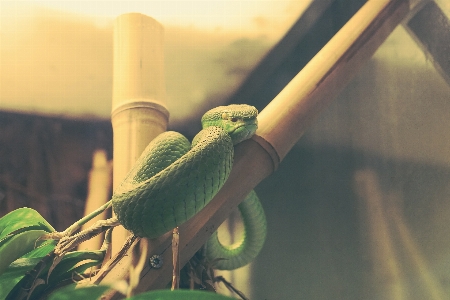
359 208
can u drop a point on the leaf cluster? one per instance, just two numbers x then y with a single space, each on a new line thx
25 260
25 264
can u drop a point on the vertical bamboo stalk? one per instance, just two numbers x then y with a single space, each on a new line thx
99 192
139 110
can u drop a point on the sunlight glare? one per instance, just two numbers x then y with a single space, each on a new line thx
207 14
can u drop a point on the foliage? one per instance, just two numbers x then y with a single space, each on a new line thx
70 293
19 231
94 292
25 262
180 295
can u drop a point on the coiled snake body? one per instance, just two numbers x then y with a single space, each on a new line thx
172 181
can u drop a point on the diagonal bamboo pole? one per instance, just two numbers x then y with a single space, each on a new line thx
281 124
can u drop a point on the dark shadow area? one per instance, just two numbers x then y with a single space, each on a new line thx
44 164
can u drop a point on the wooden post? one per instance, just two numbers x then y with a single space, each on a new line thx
281 124
139 110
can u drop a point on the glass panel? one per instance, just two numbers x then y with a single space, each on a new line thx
359 209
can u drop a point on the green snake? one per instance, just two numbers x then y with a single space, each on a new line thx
173 180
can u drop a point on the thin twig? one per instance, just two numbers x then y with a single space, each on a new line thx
135 271
175 259
230 287
112 262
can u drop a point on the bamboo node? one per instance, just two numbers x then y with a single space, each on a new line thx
267 146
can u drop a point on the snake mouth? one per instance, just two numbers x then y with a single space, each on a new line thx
248 127
243 132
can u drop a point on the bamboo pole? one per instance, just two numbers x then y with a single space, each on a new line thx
281 124
139 110
99 193
328 72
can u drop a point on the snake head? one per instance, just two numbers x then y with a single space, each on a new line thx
238 120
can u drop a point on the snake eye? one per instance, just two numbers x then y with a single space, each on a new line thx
224 116
233 120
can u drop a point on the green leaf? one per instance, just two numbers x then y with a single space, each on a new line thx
17 245
17 269
19 231
95 292
72 263
180 295
72 258
77 261
14 273
23 219
27 281
84 293
45 248
82 268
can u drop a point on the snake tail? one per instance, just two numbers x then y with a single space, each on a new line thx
240 254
